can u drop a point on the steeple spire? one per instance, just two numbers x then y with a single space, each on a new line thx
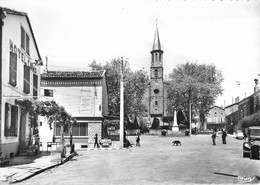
156 42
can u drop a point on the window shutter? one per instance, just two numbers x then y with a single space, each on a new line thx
6 118
85 105
35 85
22 38
26 81
27 44
13 69
14 120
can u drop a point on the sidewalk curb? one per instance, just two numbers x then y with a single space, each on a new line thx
30 174
95 149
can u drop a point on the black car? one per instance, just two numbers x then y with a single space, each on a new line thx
251 148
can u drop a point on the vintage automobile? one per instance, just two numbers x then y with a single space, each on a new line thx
251 147
105 142
239 134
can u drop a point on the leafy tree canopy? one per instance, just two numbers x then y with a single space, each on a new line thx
49 109
135 84
199 84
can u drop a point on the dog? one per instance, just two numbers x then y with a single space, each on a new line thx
176 142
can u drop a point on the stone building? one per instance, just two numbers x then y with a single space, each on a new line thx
20 78
243 108
156 89
83 94
216 118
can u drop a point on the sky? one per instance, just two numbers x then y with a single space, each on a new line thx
73 33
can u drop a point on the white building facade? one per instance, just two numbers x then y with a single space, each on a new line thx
20 78
83 94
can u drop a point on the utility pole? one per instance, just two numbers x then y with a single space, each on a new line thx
190 108
46 66
122 127
190 115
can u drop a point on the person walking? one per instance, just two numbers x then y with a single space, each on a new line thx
96 141
138 140
224 135
213 136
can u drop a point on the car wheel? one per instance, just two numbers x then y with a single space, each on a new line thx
254 154
245 154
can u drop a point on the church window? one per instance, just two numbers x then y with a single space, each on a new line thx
156 57
156 73
156 102
156 91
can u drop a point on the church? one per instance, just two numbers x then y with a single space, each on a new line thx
157 105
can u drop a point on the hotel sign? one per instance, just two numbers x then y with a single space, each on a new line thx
21 55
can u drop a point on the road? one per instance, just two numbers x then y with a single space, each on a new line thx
156 162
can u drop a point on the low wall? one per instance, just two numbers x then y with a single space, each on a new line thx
168 133
132 132
9 150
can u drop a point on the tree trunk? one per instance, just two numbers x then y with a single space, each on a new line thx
71 136
62 142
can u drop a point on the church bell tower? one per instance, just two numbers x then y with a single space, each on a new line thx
156 91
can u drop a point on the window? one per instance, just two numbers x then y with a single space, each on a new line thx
156 57
35 85
11 126
156 73
13 69
156 91
245 110
156 102
79 129
25 41
83 129
48 92
26 80
85 105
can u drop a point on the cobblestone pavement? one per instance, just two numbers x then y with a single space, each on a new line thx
196 161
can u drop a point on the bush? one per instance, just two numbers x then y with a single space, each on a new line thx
252 120
164 132
187 132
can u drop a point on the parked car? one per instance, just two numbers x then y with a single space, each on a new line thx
240 135
105 142
251 148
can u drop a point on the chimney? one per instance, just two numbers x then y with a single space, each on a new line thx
237 99
256 88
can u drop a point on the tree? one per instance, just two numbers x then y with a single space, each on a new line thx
58 115
251 120
50 109
30 107
198 84
134 88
